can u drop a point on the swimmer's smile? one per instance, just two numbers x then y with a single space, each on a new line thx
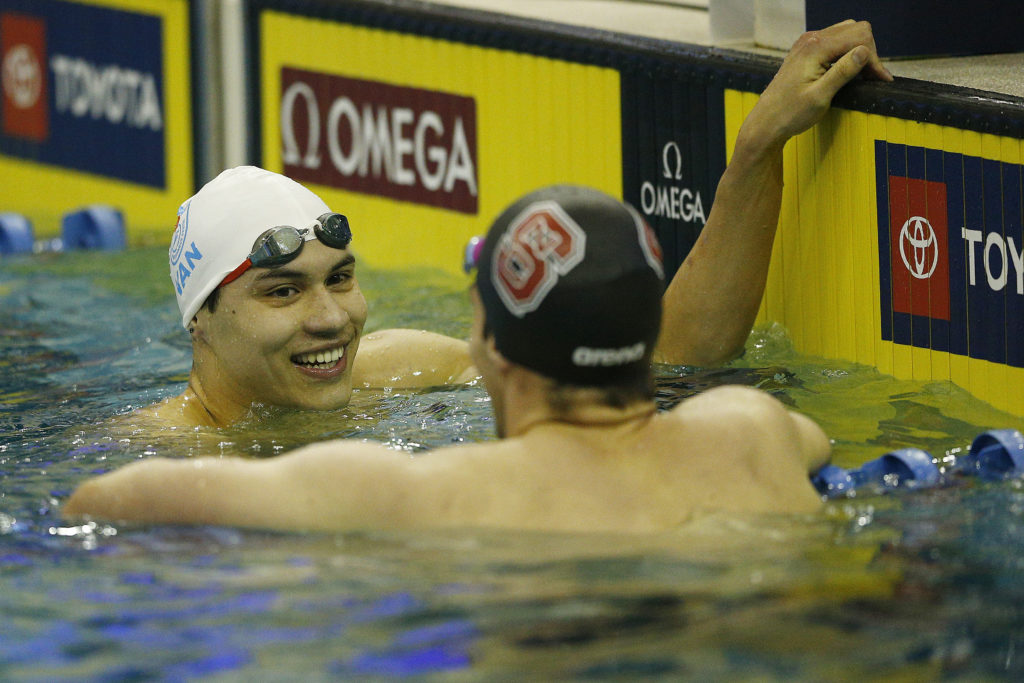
323 364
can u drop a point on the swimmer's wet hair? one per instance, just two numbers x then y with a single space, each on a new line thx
211 301
562 398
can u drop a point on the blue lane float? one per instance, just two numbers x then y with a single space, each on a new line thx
16 235
994 455
93 227
905 468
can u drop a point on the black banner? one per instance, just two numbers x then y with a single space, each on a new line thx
673 153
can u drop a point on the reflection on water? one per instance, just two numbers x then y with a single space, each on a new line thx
918 585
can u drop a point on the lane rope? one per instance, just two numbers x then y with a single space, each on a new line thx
994 455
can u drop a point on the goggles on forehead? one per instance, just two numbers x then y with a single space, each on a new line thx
282 243
471 255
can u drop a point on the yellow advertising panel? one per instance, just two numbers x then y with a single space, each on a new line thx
421 141
96 110
901 246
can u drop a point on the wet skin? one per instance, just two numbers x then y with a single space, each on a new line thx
260 343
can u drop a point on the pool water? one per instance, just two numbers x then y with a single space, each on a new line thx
912 585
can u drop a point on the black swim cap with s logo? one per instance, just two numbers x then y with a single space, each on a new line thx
571 282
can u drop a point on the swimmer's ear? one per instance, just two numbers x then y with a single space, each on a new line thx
197 328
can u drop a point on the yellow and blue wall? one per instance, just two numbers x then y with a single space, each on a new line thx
900 245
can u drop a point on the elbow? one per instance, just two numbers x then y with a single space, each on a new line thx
719 355
81 501
121 494
710 353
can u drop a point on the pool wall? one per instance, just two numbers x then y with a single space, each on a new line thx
422 140
900 246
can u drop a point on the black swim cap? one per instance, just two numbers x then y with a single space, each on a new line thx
571 282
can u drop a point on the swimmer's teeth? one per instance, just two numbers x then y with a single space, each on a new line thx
321 358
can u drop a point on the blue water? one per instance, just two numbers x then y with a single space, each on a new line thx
916 585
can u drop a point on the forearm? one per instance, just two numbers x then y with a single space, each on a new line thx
711 303
141 492
208 490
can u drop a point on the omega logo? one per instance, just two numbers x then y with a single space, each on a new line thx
378 138
668 199
666 168
22 76
917 232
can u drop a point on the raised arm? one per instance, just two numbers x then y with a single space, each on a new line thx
711 303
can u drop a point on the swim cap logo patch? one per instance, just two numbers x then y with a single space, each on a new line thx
648 243
180 232
181 269
540 245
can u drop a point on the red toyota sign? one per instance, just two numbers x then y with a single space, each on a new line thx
919 250
408 144
23 68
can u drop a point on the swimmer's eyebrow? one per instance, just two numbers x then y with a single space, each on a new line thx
283 273
345 261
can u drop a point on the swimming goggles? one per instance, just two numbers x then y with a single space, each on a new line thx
282 243
472 254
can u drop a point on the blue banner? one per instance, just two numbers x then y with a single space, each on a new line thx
951 252
83 89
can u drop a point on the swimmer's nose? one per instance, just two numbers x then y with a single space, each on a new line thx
327 314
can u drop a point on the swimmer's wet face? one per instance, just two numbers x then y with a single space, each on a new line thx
285 335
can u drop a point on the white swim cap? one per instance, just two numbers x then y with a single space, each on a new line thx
218 225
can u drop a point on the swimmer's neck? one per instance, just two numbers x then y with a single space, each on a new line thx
199 408
525 406
631 417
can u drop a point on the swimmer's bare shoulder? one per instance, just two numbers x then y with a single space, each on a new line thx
183 410
411 358
747 435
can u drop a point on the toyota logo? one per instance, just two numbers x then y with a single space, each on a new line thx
918 234
22 76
